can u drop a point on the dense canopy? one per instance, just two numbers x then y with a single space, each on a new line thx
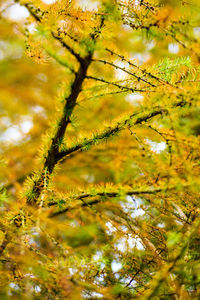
100 139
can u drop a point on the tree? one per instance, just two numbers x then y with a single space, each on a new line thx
100 149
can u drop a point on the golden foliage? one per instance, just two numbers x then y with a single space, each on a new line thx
100 138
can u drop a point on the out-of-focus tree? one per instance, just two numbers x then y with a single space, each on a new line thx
100 128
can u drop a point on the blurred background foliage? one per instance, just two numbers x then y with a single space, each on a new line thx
99 234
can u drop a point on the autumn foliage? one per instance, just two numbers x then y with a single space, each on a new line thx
100 139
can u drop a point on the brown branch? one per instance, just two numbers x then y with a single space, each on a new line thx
38 14
81 197
124 70
131 120
135 66
117 85
52 156
53 153
111 131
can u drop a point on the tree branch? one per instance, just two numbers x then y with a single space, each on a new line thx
124 70
125 88
131 120
106 194
38 14
53 153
